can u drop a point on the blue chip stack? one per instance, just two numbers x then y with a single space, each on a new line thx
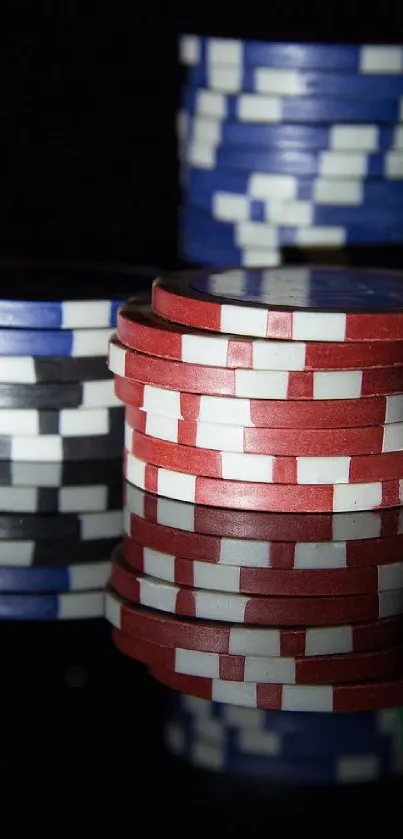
307 749
288 145
61 438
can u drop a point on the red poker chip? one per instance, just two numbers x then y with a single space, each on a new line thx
261 413
260 611
331 465
217 637
139 329
372 527
290 303
276 498
254 384
262 554
358 696
303 671
261 581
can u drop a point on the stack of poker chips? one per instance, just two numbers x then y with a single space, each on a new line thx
288 144
61 438
262 560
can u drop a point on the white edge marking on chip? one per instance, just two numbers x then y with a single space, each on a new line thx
235 693
332 640
307 698
81 314
113 609
81 604
315 326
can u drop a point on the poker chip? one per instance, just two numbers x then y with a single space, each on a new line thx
265 554
242 724
314 304
353 192
228 78
148 624
51 342
357 58
256 235
219 256
339 770
229 207
193 519
334 137
68 499
20 369
254 107
176 406
15 553
63 474
283 611
276 498
255 384
360 696
50 607
285 671
54 447
92 296
68 422
305 164
268 468
55 396
144 332
77 577
262 581
71 526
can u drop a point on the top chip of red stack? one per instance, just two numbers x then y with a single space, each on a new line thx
292 303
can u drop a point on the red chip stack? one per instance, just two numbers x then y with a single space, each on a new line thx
262 564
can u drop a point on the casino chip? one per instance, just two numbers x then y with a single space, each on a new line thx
172 631
335 137
303 303
276 670
262 561
356 58
61 436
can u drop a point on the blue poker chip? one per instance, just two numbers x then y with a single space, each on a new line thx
194 250
358 58
281 82
303 742
313 724
336 137
350 192
261 236
51 342
301 770
275 109
66 297
304 164
83 576
47 607
223 206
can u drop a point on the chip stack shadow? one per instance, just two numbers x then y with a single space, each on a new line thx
61 437
288 145
261 571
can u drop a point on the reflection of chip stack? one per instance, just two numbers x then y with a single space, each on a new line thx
262 564
288 145
61 436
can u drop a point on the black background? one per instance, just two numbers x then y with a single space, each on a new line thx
88 170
